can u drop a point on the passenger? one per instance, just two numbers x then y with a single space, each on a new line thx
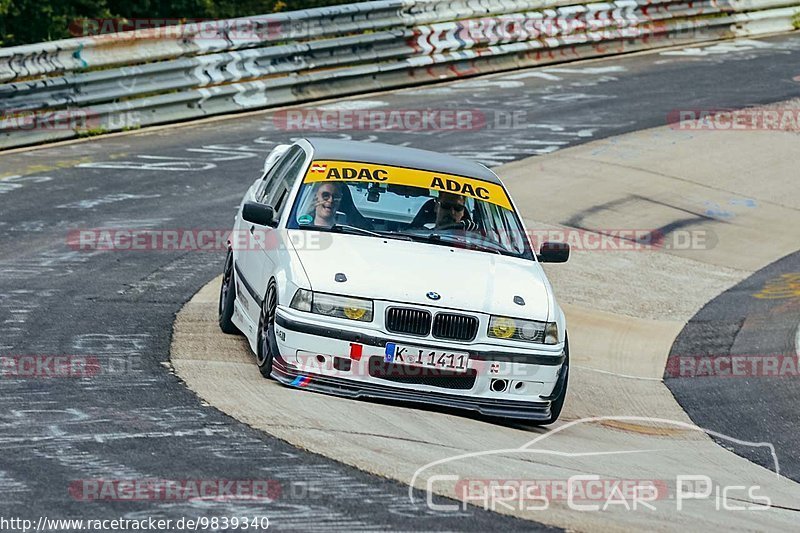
450 211
327 197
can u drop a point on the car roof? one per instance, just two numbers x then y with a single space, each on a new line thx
399 156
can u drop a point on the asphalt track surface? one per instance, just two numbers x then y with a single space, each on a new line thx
134 419
760 408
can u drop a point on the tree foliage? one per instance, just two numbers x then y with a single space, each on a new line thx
33 21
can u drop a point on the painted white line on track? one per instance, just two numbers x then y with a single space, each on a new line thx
588 70
534 74
626 376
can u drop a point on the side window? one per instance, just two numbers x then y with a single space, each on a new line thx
280 202
279 194
277 171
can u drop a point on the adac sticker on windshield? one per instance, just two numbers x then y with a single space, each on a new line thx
365 172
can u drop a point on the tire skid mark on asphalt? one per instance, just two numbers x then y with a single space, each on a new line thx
13 490
644 429
206 159
107 199
17 308
172 274
52 263
130 344
16 182
83 464
367 434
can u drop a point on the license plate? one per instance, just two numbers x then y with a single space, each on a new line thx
425 357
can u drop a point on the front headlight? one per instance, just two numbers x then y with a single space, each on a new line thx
302 300
502 327
332 305
551 333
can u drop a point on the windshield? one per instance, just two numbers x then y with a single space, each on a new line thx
395 202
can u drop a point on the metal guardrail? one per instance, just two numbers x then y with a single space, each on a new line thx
194 71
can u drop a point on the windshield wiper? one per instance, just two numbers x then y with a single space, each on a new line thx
355 230
345 228
438 238
483 248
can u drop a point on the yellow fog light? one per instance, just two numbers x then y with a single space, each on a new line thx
502 328
355 313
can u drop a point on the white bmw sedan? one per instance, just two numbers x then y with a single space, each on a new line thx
373 271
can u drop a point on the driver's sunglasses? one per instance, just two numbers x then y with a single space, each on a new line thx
326 196
459 208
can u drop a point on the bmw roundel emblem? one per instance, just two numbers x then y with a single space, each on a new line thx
433 295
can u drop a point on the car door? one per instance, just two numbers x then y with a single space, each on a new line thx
274 243
257 259
244 241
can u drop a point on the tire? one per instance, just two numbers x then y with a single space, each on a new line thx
227 296
557 402
267 345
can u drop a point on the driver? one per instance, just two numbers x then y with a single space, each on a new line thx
450 209
327 197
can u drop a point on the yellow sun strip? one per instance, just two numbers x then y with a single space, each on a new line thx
344 171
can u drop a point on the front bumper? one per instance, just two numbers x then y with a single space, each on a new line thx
320 357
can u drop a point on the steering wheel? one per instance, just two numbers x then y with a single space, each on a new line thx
452 225
461 225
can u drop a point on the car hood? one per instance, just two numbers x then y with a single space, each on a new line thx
405 271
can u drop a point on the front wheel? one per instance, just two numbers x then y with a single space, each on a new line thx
267 345
227 295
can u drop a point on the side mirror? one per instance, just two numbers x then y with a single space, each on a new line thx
259 214
274 155
553 252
